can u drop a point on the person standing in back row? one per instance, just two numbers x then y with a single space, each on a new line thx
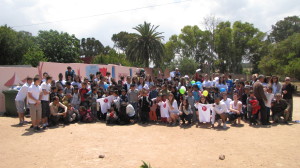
20 100
287 90
34 101
261 97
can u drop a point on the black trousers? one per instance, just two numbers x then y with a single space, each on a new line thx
145 114
185 117
263 112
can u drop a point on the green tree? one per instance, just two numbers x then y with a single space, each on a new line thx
33 56
13 45
285 28
283 58
59 47
111 57
90 47
223 44
122 40
146 46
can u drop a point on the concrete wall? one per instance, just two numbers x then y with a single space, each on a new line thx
15 74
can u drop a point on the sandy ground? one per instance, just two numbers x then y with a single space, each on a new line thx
79 145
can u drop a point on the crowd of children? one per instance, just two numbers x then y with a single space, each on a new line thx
144 99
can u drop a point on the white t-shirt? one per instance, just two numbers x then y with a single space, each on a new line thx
35 91
164 112
204 112
22 92
237 105
221 108
207 84
227 102
47 87
175 106
269 96
104 104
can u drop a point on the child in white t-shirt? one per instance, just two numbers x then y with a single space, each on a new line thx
164 110
270 96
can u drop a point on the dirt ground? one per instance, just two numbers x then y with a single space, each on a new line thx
79 145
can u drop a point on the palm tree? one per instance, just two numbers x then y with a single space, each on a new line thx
146 46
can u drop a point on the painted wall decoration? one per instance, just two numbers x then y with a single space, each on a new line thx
91 69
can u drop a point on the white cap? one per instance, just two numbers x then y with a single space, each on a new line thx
198 70
186 76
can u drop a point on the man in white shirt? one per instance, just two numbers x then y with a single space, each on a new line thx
34 101
20 100
219 111
46 88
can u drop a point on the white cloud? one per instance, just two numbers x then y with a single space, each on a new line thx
171 18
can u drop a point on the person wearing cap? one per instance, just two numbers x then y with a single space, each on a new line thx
261 97
20 100
280 108
287 90
69 72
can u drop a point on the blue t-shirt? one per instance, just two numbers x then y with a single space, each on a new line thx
196 96
229 84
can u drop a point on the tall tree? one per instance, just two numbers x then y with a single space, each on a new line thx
90 47
223 42
111 57
122 40
283 58
285 28
13 45
146 45
59 47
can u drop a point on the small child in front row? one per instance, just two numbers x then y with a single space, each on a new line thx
164 110
153 108
252 108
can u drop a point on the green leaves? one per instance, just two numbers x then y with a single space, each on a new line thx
146 45
33 56
59 47
283 58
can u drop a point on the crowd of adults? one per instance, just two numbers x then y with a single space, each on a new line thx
178 100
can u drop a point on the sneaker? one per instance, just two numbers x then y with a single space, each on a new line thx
224 126
21 124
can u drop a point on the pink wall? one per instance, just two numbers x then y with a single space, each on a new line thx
7 73
53 69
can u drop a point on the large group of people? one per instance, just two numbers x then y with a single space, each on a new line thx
178 100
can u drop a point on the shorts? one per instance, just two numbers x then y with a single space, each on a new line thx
35 111
45 109
20 105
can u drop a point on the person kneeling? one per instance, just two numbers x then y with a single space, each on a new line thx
219 112
56 113
280 108
185 112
